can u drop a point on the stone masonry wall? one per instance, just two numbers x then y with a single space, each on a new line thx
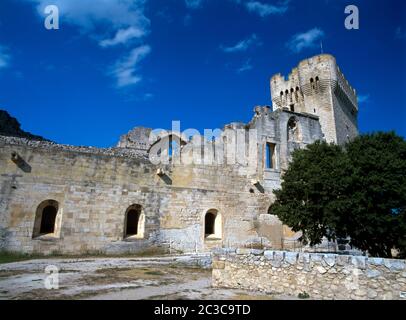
322 276
94 188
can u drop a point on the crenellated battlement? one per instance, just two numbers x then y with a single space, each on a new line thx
317 86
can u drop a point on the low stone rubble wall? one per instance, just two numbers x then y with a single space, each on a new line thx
322 276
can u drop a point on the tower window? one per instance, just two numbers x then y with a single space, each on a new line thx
270 159
292 107
212 225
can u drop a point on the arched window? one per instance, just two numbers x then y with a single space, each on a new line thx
317 86
212 225
312 83
46 218
134 222
297 96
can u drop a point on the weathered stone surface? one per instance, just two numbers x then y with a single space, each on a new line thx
373 273
218 264
359 262
304 257
243 251
376 261
342 260
330 259
291 257
351 277
394 265
268 254
256 252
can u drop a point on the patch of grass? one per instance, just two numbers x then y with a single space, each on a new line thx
303 295
8 256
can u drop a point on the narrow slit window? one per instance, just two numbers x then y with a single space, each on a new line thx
270 156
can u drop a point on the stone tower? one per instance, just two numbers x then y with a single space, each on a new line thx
318 87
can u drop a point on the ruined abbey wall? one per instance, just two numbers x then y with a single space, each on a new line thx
95 190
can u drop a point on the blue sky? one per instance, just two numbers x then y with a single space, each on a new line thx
114 65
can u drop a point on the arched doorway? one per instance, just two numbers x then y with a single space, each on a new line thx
134 222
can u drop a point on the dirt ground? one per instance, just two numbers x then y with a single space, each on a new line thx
163 278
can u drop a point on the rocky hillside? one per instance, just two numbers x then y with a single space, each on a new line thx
9 126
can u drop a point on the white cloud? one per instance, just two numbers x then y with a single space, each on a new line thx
243 45
245 67
363 98
111 23
4 58
125 69
308 39
123 36
193 4
102 18
266 9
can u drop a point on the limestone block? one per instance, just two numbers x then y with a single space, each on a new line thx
330 259
304 257
394 265
241 251
269 254
219 264
291 257
373 273
376 261
359 262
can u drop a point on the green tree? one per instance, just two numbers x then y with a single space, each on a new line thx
376 219
357 191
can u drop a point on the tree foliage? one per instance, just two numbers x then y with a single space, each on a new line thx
358 190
